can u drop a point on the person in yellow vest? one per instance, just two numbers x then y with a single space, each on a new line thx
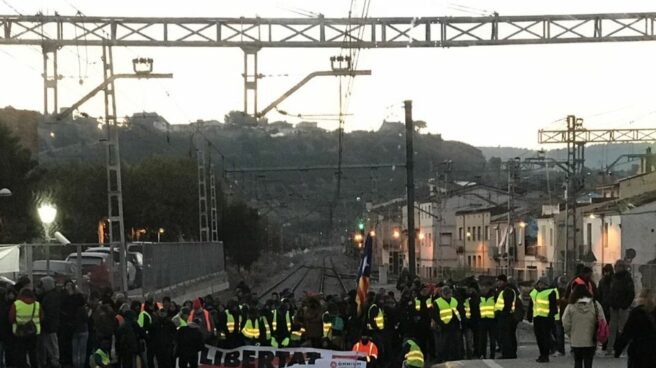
412 354
421 317
487 327
504 310
375 321
542 311
281 328
471 310
25 316
229 328
446 318
251 327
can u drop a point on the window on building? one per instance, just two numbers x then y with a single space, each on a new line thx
460 233
478 233
551 237
487 233
480 261
469 261
469 234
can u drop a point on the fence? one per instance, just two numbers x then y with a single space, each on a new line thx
150 266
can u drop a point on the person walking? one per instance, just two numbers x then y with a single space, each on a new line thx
48 341
189 341
128 337
639 332
620 297
603 293
26 315
472 313
163 334
447 322
580 323
75 323
505 309
542 311
487 327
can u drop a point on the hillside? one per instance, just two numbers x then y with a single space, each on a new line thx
289 195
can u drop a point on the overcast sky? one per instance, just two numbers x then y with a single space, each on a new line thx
486 96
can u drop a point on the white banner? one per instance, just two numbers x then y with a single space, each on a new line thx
9 259
268 357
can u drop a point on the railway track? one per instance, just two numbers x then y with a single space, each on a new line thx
323 278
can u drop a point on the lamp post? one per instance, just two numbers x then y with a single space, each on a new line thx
159 233
47 214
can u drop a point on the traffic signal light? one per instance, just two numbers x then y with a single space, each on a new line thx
360 225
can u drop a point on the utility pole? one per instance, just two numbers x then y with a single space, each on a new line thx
410 183
113 168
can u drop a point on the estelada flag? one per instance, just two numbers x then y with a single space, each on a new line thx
364 272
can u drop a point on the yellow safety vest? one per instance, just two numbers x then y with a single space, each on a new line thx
417 304
500 304
104 357
379 319
182 323
540 302
327 326
26 313
414 357
230 322
274 322
251 329
487 307
282 344
447 309
142 317
467 308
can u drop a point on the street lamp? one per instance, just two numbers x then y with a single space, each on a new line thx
5 192
47 214
159 233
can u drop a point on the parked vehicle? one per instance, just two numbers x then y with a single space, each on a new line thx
59 270
134 279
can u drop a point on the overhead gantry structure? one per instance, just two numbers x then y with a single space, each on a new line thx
252 34
51 33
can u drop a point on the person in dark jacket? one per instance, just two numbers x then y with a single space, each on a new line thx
163 334
189 341
639 333
603 291
74 328
127 340
620 297
504 313
48 340
5 329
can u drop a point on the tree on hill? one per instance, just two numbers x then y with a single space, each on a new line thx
18 220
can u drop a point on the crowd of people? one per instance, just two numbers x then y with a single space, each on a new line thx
49 326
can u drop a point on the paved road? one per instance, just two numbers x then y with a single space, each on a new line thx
526 359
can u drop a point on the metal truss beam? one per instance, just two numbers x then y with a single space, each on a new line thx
326 32
597 136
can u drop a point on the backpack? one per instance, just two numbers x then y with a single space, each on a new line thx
27 329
